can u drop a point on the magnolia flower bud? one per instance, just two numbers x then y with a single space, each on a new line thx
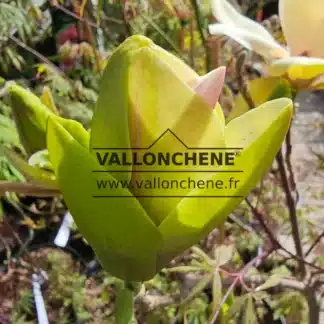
158 122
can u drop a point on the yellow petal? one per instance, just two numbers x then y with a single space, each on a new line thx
297 68
181 69
162 102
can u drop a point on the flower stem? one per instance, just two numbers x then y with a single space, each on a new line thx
292 211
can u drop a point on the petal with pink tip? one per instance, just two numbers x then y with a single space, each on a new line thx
210 86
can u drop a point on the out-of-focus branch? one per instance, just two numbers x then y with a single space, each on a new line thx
72 14
288 160
292 211
27 189
201 31
241 80
276 244
318 239
238 278
38 55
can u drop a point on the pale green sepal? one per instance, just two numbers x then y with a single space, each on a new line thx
30 117
260 132
124 238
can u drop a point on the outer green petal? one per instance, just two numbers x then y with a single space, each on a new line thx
298 67
31 119
260 90
110 123
110 120
123 236
261 132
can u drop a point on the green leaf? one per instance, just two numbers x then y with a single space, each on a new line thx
123 236
237 305
249 313
201 254
184 269
260 295
8 132
124 306
223 254
272 281
198 288
217 290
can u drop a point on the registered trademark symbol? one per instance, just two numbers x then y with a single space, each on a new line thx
237 153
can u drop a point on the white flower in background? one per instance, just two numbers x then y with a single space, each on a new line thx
303 26
245 31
